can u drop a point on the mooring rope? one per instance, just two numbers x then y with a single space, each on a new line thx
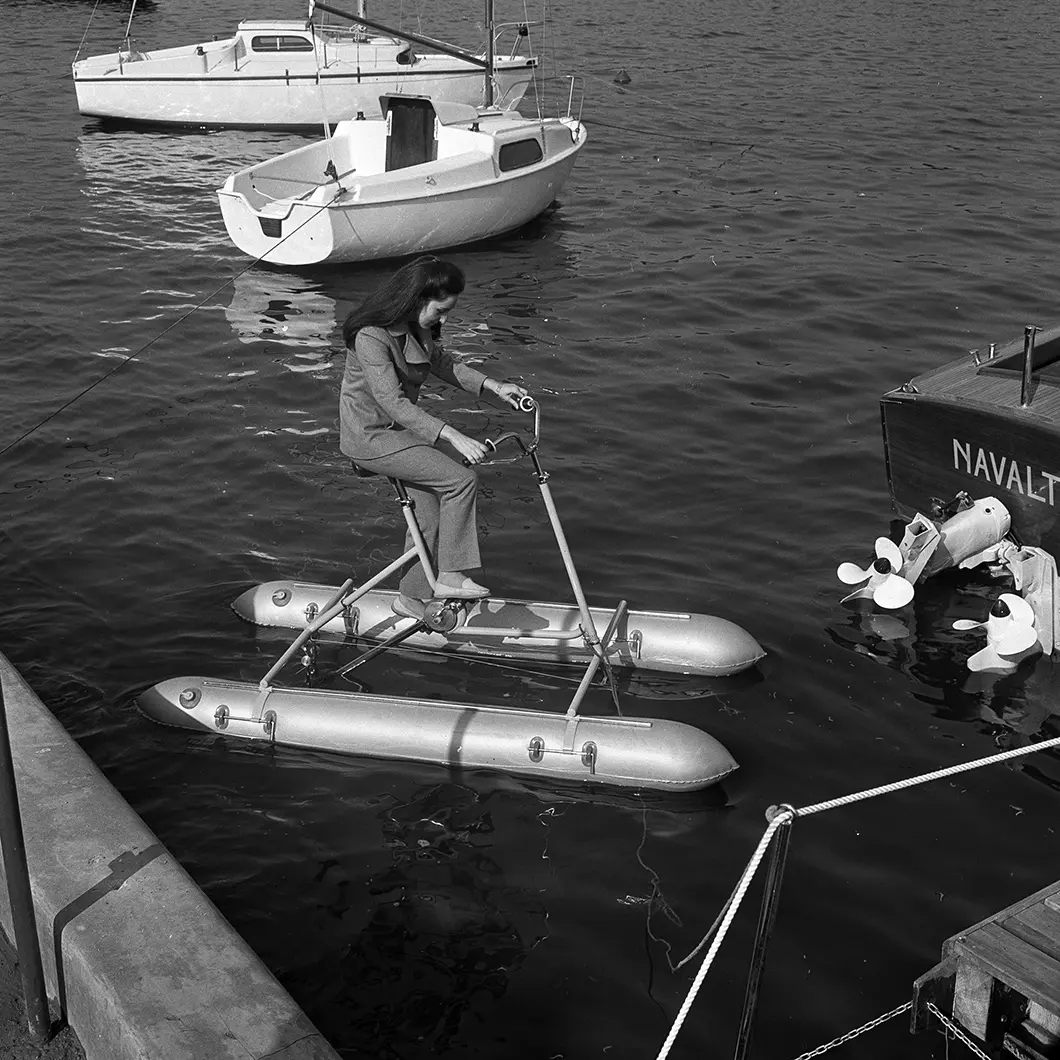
84 36
784 815
150 342
734 905
949 771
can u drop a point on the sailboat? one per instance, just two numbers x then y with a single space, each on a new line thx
292 74
417 174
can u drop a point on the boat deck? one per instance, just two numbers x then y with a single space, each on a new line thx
997 381
1000 980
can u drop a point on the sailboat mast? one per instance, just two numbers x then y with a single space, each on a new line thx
128 28
489 53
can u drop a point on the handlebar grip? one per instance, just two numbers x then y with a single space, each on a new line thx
526 404
489 443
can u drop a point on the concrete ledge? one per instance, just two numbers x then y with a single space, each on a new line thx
139 961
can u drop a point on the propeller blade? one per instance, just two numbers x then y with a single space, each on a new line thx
888 550
967 623
1014 640
863 592
988 659
1019 610
893 591
851 573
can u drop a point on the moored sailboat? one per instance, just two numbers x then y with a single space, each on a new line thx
417 175
279 73
421 177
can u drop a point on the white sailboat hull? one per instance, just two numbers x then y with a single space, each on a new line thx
228 83
460 197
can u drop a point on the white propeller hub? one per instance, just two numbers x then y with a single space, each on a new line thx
1010 634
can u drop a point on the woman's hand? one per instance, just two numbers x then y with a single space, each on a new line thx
474 452
507 392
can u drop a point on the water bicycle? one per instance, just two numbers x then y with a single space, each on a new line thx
639 753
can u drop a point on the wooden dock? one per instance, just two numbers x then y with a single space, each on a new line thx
1000 981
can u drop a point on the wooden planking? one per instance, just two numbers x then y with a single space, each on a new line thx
937 448
936 986
1049 894
1038 926
973 990
962 381
1014 962
1001 972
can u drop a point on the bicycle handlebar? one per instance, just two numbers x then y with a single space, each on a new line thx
524 404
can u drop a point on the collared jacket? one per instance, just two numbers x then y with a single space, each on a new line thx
377 402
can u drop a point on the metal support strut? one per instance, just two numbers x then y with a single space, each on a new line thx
767 916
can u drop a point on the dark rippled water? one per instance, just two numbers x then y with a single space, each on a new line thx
790 209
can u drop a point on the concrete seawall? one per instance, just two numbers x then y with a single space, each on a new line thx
137 958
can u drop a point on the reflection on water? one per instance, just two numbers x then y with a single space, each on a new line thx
920 642
282 307
157 190
448 927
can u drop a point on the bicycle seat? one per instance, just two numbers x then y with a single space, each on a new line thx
362 472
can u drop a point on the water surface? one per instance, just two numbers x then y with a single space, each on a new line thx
789 210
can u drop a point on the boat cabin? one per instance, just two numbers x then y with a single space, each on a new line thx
414 129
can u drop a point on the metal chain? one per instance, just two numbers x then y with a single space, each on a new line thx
957 1032
860 1030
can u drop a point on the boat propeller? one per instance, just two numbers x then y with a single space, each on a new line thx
884 585
1010 634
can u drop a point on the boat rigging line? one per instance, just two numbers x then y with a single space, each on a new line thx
781 818
84 36
681 112
165 331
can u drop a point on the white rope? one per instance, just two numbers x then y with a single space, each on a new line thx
949 771
734 905
785 815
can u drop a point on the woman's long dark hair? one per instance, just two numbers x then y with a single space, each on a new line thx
398 298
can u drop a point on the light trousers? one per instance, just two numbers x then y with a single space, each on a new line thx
444 494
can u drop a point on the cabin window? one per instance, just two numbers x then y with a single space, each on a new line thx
281 44
518 154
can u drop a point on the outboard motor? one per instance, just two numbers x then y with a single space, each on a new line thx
966 539
965 534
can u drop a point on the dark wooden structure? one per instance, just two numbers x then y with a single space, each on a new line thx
987 424
1000 981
